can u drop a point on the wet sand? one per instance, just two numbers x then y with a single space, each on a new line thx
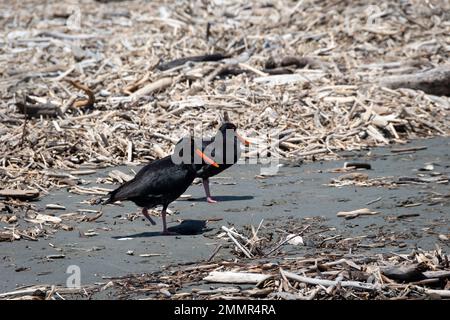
295 192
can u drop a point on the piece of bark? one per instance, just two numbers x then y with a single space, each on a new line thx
278 71
258 293
405 273
407 215
408 149
19 194
236 277
93 218
202 58
358 165
300 62
291 61
435 81
52 206
37 110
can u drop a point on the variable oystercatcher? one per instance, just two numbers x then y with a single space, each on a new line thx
225 149
163 181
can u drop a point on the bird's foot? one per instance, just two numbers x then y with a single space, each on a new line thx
169 233
211 200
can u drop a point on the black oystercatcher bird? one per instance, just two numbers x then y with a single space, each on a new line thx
225 149
163 181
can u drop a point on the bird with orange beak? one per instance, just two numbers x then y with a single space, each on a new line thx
224 149
164 180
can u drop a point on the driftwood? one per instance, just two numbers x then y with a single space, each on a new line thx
356 213
120 176
325 111
358 165
236 277
21 292
19 194
353 176
408 149
319 277
6 236
152 87
201 58
421 180
436 274
36 110
325 115
435 81
42 218
292 61
405 273
238 244
441 293
327 283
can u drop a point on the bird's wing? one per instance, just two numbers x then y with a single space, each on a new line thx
155 179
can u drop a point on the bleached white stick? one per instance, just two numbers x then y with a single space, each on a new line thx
235 277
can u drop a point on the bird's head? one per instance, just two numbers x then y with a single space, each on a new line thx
228 129
188 152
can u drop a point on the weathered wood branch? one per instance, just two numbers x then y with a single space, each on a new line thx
19 194
236 277
37 110
327 283
152 87
435 81
405 273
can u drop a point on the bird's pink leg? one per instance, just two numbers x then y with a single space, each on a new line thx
165 232
145 213
208 194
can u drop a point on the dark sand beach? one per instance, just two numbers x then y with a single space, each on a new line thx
296 192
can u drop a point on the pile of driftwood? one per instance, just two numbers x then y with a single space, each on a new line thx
354 173
95 84
25 221
259 264
418 275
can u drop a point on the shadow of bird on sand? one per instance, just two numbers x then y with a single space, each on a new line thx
185 228
222 198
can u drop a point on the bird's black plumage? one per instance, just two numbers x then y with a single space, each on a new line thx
158 183
161 181
224 148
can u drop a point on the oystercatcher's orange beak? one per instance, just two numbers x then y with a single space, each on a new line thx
245 142
206 158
